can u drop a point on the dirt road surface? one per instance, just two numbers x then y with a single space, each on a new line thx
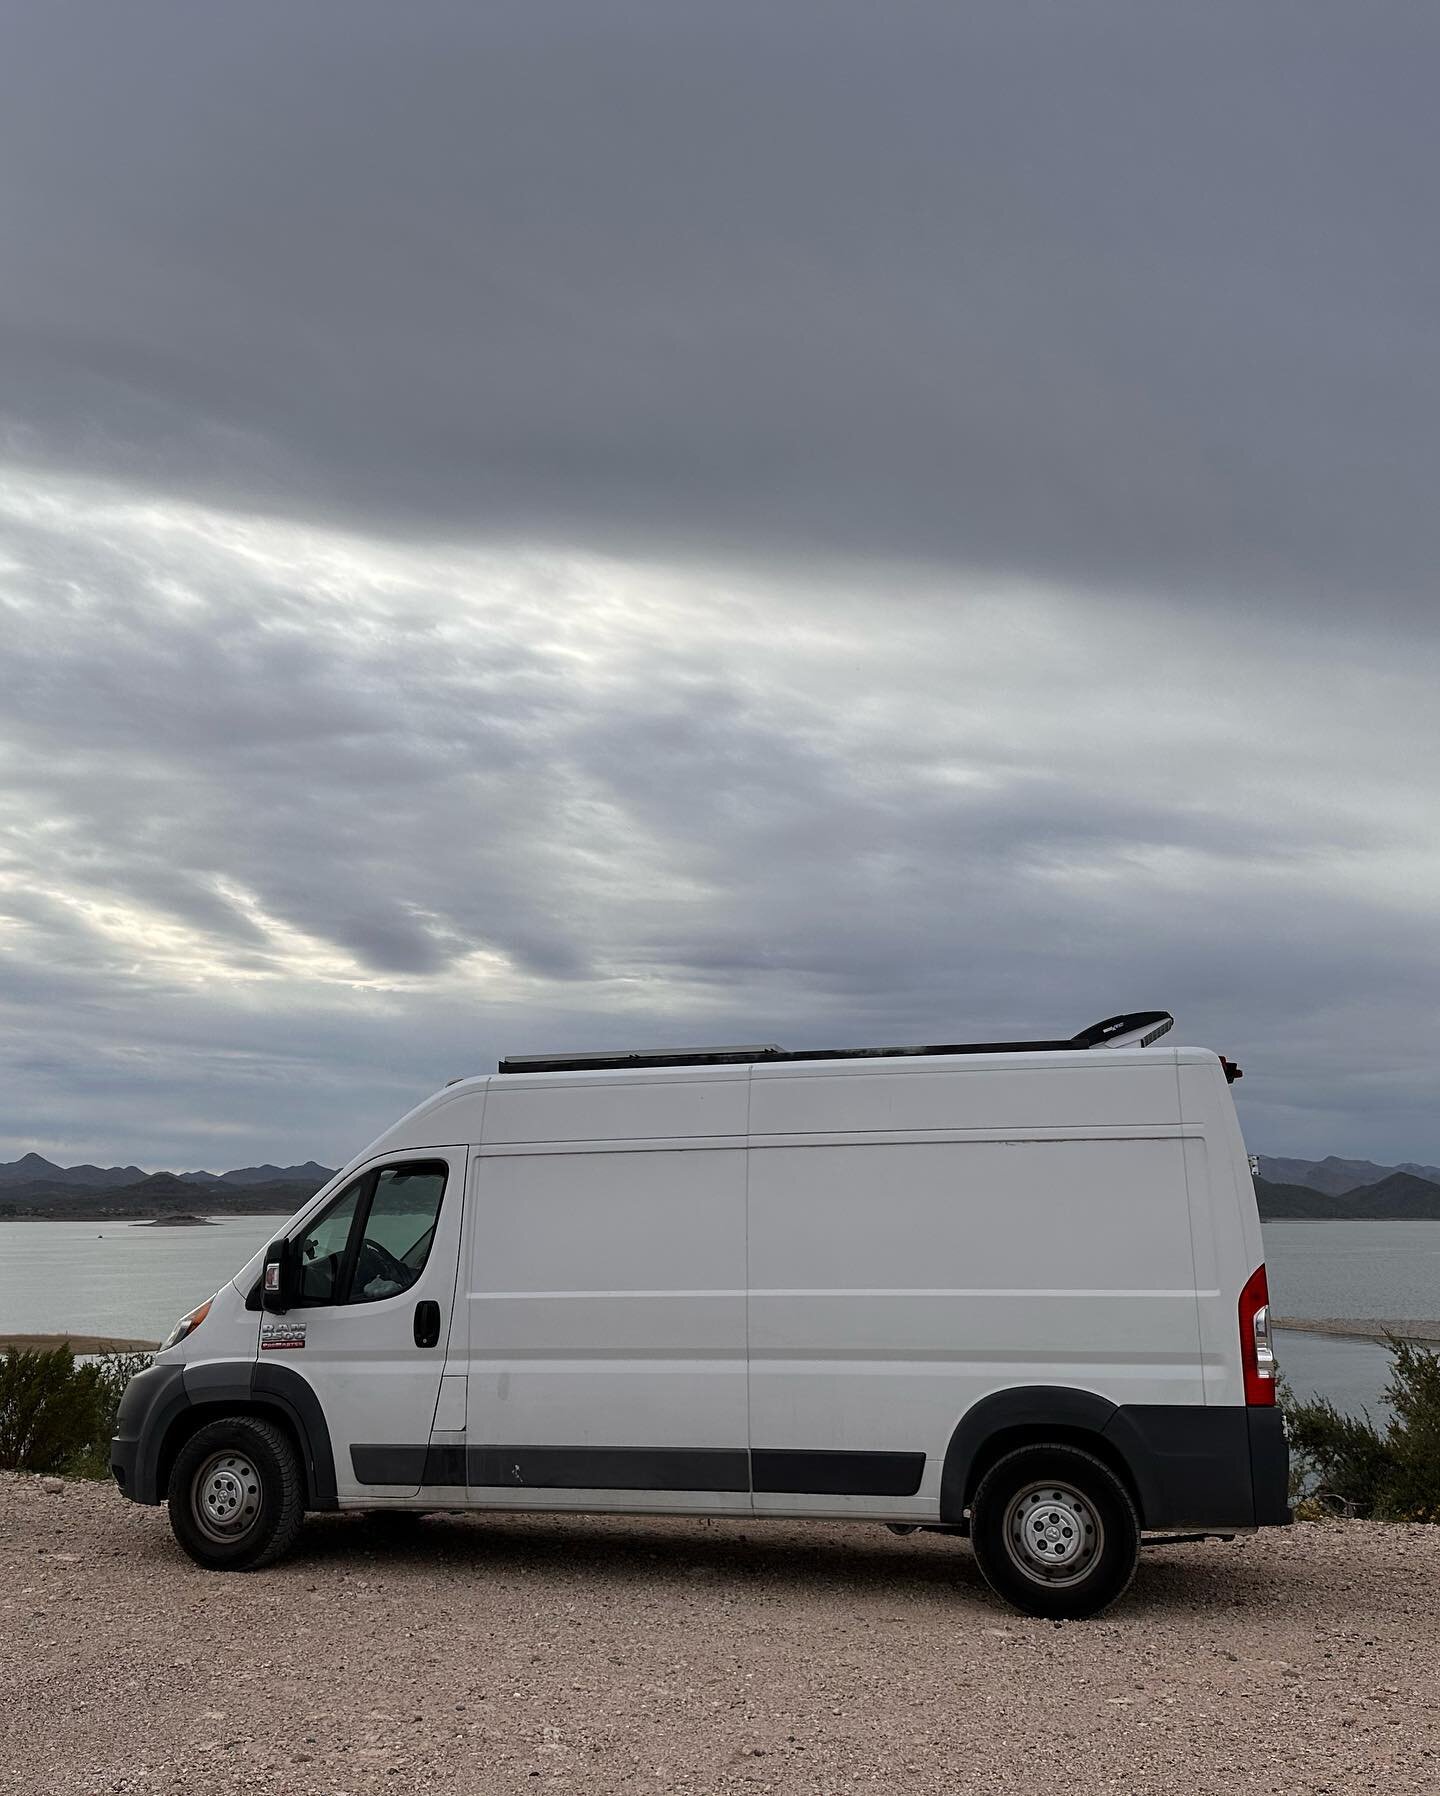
522 1654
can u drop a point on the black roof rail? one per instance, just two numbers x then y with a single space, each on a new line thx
642 1057
1131 1029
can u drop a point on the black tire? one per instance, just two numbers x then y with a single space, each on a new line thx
236 1496
1055 1532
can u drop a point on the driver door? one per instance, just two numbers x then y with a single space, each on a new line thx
369 1330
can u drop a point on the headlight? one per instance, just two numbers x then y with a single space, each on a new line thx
187 1325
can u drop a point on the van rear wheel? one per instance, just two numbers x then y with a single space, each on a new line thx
235 1495
1054 1531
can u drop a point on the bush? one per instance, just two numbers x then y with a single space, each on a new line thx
57 1416
49 1409
1346 1464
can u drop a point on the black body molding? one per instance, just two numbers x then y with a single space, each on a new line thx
609 1468
553 1468
771 1470
791 1472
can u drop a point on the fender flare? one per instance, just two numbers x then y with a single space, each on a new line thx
1035 1406
282 1386
250 1385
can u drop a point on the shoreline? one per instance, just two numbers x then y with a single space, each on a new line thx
1362 1328
78 1343
142 1216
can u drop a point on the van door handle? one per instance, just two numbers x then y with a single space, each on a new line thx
427 1324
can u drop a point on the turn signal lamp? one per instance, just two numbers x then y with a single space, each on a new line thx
187 1325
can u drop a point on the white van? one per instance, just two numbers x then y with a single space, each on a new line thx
1012 1290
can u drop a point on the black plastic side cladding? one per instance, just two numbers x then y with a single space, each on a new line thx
855 1474
1190 1462
796 1472
609 1468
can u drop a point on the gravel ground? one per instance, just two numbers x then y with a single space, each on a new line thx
528 1654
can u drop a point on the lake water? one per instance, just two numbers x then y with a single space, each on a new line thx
117 1278
1389 1270
1354 1269
126 1280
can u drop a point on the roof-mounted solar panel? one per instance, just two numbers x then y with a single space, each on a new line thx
1133 1029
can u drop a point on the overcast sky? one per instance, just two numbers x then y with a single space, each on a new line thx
562 526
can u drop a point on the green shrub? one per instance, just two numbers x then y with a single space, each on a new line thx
49 1409
57 1416
113 1371
1346 1465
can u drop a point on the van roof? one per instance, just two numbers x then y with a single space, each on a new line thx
1130 1029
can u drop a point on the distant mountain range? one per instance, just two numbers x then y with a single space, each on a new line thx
34 1186
17 1176
1334 1176
1400 1197
262 1175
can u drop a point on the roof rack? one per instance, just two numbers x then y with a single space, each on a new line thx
1132 1029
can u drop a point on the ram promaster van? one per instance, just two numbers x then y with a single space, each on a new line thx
1012 1290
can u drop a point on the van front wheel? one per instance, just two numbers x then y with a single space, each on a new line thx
1054 1531
235 1495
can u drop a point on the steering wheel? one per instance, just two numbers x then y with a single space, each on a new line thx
377 1261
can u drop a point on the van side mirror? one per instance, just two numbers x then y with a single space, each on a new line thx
280 1280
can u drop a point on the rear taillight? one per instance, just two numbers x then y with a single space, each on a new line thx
1257 1350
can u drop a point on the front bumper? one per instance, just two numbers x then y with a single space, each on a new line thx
152 1400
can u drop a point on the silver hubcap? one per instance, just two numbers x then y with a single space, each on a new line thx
1053 1534
225 1496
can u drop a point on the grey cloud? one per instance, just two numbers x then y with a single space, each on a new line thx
514 805
1127 296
